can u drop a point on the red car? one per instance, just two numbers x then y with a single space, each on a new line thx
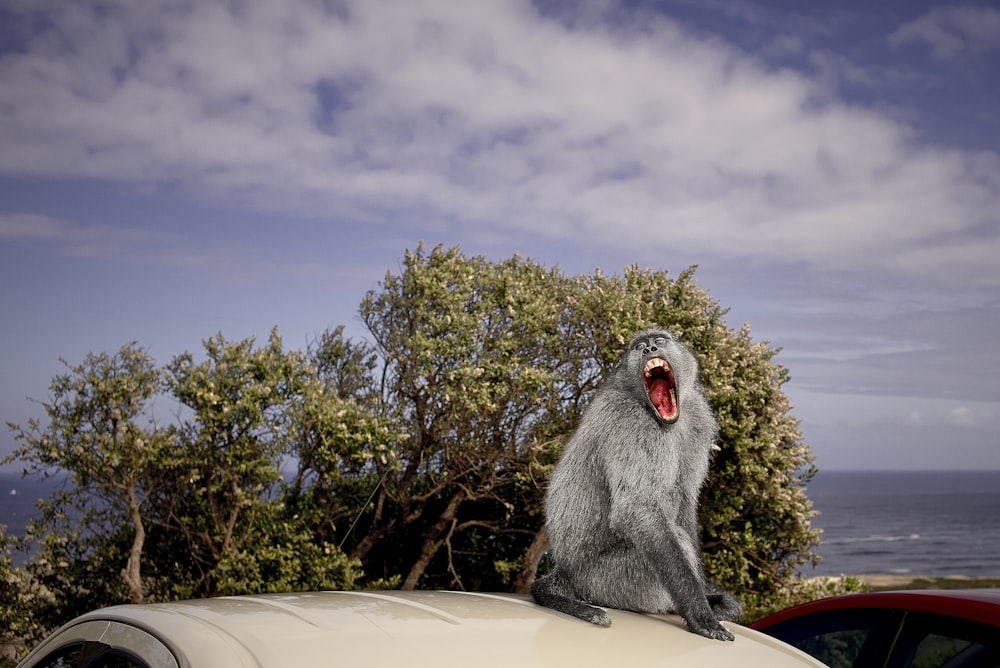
941 628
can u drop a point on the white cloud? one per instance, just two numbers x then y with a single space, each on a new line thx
898 433
979 417
127 245
488 113
963 416
30 227
952 32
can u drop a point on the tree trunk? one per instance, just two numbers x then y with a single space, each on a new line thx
371 539
522 583
405 514
132 573
432 541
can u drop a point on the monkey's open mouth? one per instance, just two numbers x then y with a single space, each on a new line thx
661 388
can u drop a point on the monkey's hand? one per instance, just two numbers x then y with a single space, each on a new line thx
709 627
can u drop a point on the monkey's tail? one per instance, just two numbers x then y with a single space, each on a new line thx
548 592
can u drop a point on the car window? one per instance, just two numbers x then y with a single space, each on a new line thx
837 649
936 651
64 657
841 639
90 655
102 643
937 641
114 658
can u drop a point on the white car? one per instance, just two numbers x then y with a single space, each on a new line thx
389 628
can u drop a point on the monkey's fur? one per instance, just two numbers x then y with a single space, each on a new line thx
621 509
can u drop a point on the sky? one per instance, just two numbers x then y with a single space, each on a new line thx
172 170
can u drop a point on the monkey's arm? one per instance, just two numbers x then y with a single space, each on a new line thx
724 606
672 552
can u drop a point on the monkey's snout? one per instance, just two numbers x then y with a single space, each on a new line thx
661 389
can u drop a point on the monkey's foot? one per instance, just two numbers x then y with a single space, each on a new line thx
598 616
710 629
547 592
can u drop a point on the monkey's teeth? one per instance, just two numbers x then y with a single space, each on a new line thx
655 363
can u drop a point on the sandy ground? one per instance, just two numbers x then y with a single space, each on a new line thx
904 580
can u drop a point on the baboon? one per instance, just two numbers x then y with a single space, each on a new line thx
621 508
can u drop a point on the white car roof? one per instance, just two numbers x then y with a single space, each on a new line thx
387 628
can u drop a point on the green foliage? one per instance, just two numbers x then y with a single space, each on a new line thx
19 599
228 453
471 354
95 412
99 435
286 557
795 590
342 446
201 490
417 460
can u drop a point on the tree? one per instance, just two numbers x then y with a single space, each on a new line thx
226 464
345 368
99 433
19 624
207 491
342 442
470 353
225 524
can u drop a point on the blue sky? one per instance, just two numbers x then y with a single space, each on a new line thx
169 170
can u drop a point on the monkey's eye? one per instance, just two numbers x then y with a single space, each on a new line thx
639 346
660 341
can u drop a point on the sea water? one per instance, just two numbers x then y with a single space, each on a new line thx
907 523
19 499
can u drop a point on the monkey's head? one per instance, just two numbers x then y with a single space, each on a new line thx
662 365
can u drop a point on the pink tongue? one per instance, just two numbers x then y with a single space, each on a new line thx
659 392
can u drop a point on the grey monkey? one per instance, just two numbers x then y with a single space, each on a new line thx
622 504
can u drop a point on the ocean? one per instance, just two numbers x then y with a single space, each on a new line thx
18 499
907 523
912 523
